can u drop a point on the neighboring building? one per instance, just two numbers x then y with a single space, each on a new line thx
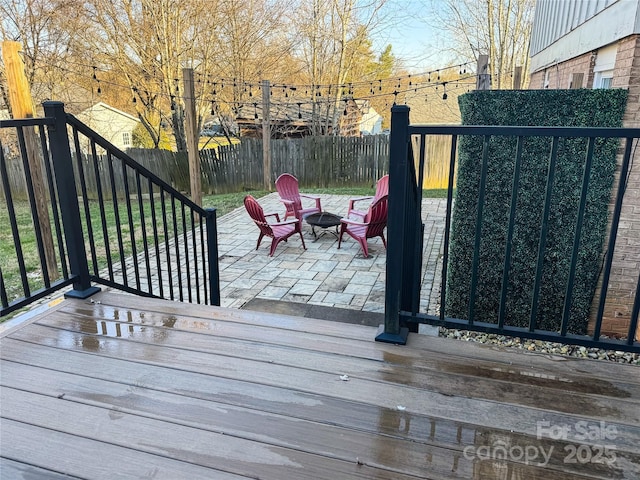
294 119
370 120
114 125
596 44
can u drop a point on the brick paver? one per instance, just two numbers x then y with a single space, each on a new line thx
322 274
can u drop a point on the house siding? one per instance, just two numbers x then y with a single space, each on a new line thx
566 29
110 123
560 75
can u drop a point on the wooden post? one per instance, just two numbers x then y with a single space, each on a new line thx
517 78
192 134
266 134
484 77
22 107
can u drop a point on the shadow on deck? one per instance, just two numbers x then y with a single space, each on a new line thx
127 387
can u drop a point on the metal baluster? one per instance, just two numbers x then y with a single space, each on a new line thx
543 233
515 186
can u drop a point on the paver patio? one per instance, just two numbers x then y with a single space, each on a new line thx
322 274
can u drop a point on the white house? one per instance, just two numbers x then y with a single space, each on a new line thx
114 125
371 121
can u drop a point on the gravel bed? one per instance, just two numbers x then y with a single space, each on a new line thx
540 346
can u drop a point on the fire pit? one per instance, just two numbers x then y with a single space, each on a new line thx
323 220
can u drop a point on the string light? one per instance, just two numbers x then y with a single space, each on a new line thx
413 83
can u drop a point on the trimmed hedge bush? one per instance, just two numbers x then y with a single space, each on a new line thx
594 108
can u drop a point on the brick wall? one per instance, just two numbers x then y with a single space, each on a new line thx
560 75
626 260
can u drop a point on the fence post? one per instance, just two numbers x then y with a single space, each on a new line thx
212 256
68 197
391 332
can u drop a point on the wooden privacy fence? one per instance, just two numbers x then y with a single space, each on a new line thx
324 161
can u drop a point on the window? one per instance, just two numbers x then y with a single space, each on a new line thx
605 82
603 79
603 68
126 139
576 80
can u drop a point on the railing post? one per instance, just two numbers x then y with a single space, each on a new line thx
212 256
68 197
391 332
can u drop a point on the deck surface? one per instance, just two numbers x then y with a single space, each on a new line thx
124 387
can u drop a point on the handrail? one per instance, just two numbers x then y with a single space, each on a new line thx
404 251
130 162
510 130
162 234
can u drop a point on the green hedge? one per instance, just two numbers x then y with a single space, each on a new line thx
596 108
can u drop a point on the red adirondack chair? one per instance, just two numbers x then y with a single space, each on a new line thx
287 187
277 231
382 189
373 225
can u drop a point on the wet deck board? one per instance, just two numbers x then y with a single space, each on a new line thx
218 393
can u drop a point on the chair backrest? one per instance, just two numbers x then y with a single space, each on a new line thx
376 217
287 187
382 187
256 213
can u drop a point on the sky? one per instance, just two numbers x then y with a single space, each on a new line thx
415 42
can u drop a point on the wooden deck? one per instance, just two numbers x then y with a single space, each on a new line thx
125 387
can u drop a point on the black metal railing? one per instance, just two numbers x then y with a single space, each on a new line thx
137 234
405 235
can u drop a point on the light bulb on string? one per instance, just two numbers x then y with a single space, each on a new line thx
444 95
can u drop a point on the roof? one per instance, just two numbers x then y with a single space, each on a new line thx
102 105
566 29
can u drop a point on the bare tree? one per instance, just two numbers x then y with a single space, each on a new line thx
253 34
145 44
45 28
331 37
499 28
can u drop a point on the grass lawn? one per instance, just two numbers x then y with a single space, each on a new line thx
224 203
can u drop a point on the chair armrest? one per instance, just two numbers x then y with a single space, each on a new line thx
273 214
313 197
356 199
286 202
353 222
286 222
